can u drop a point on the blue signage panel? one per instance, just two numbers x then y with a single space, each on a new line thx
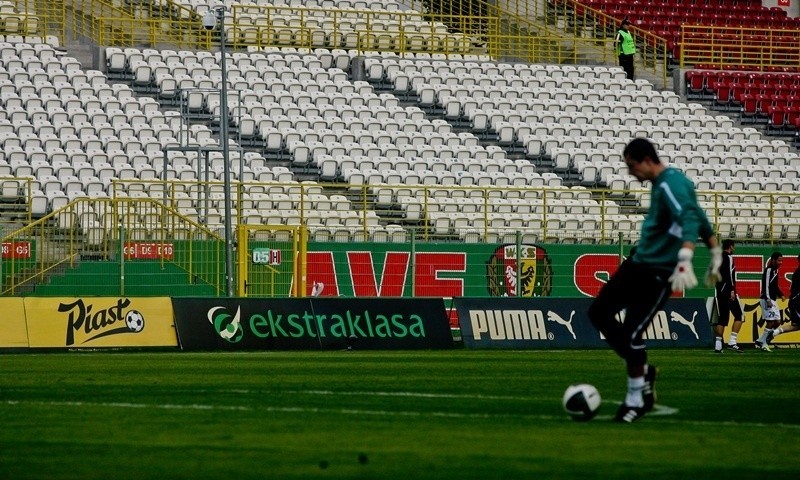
523 323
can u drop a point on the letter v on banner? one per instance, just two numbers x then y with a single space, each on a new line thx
362 271
321 269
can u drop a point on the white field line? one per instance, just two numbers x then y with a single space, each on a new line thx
166 406
340 411
660 410
406 394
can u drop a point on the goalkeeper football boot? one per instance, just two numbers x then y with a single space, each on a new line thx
649 389
627 414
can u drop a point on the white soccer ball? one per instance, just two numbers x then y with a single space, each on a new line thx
134 320
581 401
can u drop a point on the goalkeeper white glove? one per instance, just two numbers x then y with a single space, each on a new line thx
683 277
712 273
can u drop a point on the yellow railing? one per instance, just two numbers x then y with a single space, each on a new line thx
596 26
130 32
192 210
269 26
568 21
47 21
156 210
417 207
748 47
137 23
494 32
557 31
99 228
397 37
189 214
16 202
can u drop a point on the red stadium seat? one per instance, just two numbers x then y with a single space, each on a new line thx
769 78
723 99
777 121
695 84
779 101
738 91
711 77
750 105
792 120
792 101
762 102
777 12
783 78
768 90
774 110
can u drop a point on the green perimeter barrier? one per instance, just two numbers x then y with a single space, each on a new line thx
433 269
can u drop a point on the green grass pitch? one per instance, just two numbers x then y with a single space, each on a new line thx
457 414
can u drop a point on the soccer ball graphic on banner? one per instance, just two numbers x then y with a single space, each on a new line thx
581 401
134 320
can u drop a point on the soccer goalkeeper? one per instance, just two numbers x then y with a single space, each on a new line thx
662 264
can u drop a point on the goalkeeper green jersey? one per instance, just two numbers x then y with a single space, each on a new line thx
674 217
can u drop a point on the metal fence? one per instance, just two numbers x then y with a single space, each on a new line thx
527 33
739 47
179 226
109 229
34 21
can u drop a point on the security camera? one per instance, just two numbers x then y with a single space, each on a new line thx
210 20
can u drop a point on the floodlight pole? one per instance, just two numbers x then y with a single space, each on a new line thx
223 138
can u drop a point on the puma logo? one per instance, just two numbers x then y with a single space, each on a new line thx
554 317
677 317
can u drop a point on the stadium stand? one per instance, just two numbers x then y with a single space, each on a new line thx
430 138
300 135
768 98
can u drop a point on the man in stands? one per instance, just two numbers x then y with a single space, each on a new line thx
626 48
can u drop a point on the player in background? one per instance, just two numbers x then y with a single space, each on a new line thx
770 293
661 264
727 301
794 306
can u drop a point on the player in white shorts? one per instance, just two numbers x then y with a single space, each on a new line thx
770 293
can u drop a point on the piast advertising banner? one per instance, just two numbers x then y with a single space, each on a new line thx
563 323
100 322
13 331
311 323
